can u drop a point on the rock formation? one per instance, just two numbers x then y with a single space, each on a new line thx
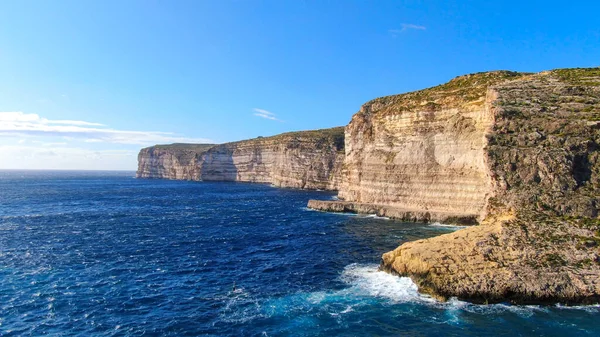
175 161
518 152
307 159
421 155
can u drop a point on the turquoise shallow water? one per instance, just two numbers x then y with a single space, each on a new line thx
101 253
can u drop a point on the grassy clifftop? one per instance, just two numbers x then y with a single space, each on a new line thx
183 147
471 90
453 94
320 137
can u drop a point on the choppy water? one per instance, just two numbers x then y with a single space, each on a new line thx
101 253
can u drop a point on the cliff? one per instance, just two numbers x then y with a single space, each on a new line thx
516 152
307 159
420 156
174 161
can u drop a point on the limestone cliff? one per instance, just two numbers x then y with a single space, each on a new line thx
307 159
420 156
175 161
519 152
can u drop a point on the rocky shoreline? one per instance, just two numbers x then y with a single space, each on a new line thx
530 259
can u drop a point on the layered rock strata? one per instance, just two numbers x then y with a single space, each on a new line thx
423 152
307 159
539 238
175 161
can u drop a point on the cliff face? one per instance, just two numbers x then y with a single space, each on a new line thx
540 233
421 155
175 161
543 147
308 159
487 141
427 158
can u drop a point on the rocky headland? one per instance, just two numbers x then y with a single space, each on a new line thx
517 152
306 159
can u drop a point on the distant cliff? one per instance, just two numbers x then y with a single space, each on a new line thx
175 161
306 159
517 153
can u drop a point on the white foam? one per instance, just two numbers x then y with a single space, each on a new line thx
368 281
593 308
375 216
336 213
445 226
240 307
347 310
366 286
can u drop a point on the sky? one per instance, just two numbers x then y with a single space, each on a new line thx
85 84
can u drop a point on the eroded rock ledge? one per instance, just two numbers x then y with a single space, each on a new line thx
526 260
392 212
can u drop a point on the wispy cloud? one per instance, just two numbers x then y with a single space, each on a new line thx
23 125
23 156
265 114
404 27
48 144
68 122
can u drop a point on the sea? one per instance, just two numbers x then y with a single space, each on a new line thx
105 254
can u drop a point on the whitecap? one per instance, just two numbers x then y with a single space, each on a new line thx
438 225
454 305
366 285
592 308
375 216
366 280
337 213
348 309
240 307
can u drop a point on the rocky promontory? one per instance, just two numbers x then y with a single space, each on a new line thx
517 151
306 159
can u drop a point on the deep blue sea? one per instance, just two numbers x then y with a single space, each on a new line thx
104 254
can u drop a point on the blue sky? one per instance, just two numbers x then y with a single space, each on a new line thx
86 84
